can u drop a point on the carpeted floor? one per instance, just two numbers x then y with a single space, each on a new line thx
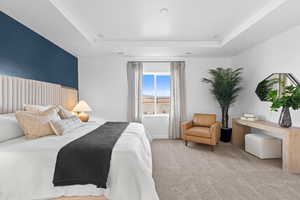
196 173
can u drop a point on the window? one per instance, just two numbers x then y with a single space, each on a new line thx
156 93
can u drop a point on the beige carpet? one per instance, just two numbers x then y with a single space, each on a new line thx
196 173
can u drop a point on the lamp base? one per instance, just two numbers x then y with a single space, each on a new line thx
84 117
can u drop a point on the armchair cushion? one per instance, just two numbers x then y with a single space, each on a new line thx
205 120
199 132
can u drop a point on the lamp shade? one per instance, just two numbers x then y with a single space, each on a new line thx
82 106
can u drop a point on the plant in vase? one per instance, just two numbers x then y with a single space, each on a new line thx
289 98
225 86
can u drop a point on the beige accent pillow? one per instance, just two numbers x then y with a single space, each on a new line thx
36 124
62 126
64 113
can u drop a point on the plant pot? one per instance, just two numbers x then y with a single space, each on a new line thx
226 134
285 119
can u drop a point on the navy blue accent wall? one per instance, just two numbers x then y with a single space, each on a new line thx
26 54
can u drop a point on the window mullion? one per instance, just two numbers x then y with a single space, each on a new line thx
155 94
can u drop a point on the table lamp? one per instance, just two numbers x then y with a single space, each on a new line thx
81 108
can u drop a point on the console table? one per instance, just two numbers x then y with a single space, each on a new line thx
290 140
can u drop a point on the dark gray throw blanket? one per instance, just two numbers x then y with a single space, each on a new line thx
86 160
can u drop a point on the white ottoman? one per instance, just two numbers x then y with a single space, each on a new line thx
263 146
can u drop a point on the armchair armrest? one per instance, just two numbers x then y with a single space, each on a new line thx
215 130
185 126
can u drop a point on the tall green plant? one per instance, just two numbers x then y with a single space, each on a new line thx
225 86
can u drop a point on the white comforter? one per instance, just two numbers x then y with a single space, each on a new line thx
27 167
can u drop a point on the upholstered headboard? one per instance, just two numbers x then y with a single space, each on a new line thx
15 92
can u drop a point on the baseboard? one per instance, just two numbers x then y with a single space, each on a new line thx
159 136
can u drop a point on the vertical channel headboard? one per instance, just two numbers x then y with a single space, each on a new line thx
15 92
69 97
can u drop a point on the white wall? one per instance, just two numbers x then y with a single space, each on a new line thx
156 67
103 84
279 54
199 98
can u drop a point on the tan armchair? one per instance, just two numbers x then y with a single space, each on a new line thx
202 129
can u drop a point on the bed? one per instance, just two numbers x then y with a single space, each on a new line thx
27 166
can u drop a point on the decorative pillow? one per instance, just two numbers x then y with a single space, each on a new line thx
62 126
64 113
9 129
36 124
36 108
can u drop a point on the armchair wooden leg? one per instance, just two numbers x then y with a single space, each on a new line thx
186 142
212 148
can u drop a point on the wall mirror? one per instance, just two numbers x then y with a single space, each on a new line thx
276 81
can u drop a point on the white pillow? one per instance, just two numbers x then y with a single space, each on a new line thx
9 129
64 113
62 126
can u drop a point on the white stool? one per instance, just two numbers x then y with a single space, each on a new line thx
263 146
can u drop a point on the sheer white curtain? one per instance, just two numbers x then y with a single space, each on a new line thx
178 104
135 81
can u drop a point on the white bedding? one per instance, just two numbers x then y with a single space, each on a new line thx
27 167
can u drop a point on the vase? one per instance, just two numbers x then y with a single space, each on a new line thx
285 119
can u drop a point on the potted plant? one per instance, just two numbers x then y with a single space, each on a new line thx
225 86
289 98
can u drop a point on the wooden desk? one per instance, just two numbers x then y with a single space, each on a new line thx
290 140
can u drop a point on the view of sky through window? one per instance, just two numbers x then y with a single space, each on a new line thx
148 85
156 94
162 85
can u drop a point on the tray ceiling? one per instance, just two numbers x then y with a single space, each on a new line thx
156 27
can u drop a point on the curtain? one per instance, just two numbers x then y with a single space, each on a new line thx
135 81
178 105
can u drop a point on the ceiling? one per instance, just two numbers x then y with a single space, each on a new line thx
156 27
180 20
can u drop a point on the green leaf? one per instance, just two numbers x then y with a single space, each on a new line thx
290 98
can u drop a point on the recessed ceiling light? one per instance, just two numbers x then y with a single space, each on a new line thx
120 53
99 35
215 37
164 11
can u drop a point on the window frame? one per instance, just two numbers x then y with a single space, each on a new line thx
155 74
